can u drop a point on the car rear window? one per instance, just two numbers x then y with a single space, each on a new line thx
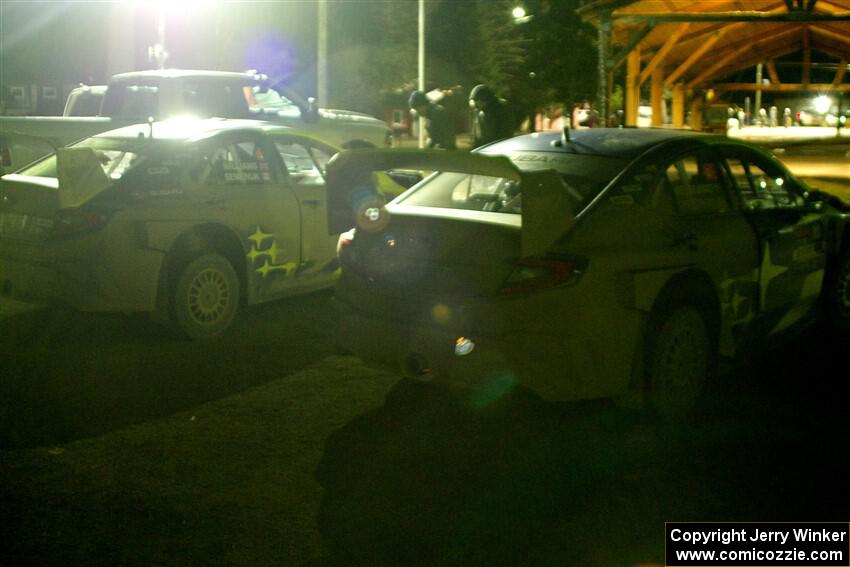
115 159
584 175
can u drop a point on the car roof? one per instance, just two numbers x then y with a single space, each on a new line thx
612 142
189 129
181 73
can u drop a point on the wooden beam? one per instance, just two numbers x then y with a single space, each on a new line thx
737 51
826 32
811 5
662 53
771 71
807 56
634 41
693 58
719 64
746 16
839 74
783 88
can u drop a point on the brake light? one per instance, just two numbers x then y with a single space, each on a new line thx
76 221
534 274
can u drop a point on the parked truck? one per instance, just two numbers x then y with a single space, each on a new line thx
130 98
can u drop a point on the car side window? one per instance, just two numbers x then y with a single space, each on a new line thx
321 156
299 162
242 163
639 187
696 184
761 184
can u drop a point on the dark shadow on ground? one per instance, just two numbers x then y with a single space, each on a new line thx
427 479
68 375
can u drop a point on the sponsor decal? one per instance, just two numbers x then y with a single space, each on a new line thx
264 257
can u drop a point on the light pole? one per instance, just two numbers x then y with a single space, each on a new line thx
421 67
322 55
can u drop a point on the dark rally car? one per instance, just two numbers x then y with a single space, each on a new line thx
604 262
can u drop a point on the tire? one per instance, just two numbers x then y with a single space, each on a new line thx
678 362
206 297
838 294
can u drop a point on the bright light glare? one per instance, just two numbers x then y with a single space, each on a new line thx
177 6
518 13
823 104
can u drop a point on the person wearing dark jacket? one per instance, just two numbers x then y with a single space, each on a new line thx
441 131
492 119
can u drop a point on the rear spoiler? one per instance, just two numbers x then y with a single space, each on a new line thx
354 200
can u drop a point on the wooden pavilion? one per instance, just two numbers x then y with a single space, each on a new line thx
690 47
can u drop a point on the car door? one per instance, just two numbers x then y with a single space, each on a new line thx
792 250
304 163
707 226
248 193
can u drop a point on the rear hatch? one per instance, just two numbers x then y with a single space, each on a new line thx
31 203
414 250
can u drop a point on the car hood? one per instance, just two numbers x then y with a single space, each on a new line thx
354 200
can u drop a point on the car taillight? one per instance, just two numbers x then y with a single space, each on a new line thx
76 221
533 274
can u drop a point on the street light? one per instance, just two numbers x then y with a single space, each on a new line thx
519 15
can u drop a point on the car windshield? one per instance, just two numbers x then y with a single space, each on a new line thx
584 176
269 98
115 157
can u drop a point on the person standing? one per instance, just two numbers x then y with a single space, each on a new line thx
441 131
492 119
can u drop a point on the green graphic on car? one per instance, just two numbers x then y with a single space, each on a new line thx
269 253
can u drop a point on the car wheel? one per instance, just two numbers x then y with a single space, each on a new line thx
838 294
206 297
678 362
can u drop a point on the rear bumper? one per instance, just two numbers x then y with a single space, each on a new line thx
87 276
400 347
555 367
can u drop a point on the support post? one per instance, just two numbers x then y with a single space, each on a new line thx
679 105
657 97
604 47
632 87
322 54
421 29
696 113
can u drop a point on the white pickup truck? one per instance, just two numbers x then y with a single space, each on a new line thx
130 98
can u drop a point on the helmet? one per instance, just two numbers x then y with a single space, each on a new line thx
481 93
417 98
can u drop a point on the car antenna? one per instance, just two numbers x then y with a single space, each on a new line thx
564 140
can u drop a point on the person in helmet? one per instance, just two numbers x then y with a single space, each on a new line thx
492 119
441 132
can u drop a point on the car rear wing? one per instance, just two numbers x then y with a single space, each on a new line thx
355 201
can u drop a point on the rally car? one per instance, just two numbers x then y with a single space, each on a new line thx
584 264
184 219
